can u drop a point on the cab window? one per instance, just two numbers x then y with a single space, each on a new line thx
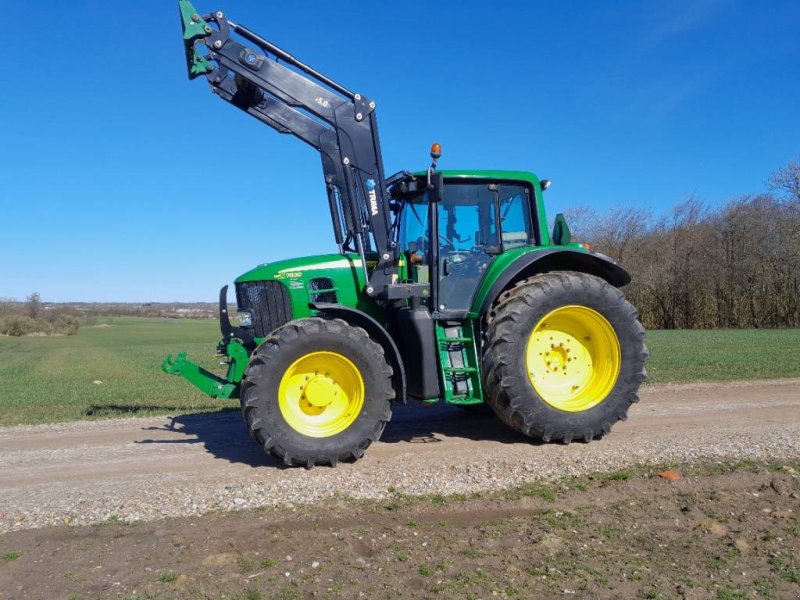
515 217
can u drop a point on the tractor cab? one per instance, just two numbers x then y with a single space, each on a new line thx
450 242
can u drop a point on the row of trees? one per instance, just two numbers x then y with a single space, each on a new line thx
734 266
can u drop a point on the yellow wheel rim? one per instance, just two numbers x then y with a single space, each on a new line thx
573 358
321 394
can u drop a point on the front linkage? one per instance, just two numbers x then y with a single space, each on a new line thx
231 347
208 383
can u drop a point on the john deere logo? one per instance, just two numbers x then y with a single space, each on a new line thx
373 197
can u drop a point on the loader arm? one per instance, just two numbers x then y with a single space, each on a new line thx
254 75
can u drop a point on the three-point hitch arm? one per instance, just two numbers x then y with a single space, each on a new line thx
340 124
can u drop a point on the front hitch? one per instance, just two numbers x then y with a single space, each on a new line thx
208 383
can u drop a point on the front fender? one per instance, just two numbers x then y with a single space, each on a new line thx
376 332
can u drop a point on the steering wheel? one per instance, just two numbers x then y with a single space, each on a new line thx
451 242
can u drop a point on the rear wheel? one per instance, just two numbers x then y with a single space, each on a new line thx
317 391
564 357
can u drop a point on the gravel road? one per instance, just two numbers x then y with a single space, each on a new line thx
144 469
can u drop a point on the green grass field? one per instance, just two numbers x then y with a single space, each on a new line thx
48 379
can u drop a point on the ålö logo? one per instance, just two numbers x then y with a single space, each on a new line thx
373 197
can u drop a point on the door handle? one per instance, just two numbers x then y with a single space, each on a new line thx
446 267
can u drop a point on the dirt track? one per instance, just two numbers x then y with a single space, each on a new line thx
142 469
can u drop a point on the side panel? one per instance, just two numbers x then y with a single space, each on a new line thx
418 340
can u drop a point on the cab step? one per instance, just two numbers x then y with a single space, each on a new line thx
458 360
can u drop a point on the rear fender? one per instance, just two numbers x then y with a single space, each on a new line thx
555 259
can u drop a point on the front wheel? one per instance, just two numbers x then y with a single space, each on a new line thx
317 391
564 357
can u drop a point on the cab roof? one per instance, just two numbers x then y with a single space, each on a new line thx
487 174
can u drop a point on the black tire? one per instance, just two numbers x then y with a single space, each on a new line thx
509 324
268 363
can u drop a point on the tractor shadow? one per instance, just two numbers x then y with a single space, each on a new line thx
430 423
224 435
221 434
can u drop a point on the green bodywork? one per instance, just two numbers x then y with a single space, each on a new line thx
499 265
344 270
348 279
347 275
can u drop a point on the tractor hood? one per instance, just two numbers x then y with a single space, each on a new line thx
307 267
326 278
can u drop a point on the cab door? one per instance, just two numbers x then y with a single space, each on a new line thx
469 238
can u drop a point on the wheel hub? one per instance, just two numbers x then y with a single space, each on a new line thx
573 358
320 391
557 358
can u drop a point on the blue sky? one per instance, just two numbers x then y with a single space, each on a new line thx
124 181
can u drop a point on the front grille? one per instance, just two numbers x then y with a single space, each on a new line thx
269 302
323 291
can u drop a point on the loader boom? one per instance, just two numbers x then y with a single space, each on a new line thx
341 124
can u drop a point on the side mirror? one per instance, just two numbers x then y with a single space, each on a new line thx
436 187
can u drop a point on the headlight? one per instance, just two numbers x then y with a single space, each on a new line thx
245 319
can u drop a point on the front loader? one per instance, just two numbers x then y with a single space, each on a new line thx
447 285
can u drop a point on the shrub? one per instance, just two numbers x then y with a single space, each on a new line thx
66 324
17 326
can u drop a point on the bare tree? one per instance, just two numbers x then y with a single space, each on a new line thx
617 230
33 305
581 221
786 180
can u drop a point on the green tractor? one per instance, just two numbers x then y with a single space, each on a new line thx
447 286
